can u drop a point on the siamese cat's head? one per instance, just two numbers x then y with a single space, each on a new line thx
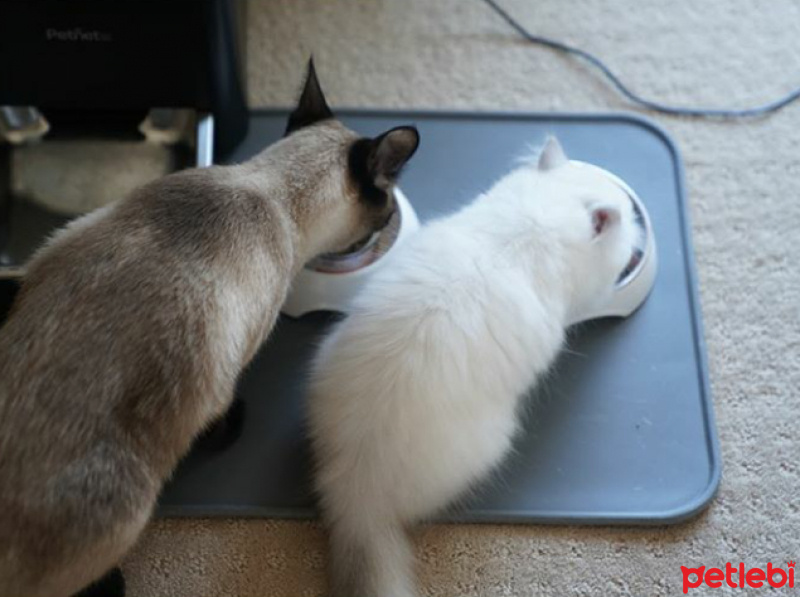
343 183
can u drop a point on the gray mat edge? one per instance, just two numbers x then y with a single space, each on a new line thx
694 506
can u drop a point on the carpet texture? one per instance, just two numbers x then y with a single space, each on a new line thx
745 203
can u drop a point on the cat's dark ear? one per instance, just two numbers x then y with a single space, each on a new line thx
312 106
375 164
390 153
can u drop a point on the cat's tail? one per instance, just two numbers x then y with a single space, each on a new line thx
370 558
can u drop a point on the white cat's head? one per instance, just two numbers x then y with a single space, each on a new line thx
588 221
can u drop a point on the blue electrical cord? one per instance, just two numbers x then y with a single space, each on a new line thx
754 111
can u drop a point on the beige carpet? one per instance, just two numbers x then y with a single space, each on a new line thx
745 197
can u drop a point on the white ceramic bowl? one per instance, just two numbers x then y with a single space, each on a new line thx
330 282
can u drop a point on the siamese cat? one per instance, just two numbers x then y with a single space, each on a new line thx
415 397
134 322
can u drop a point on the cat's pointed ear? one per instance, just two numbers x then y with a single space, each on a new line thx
312 106
552 155
604 218
375 164
389 153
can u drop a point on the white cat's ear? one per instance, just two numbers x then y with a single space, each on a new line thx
552 155
604 218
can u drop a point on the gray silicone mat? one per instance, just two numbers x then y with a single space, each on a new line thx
621 432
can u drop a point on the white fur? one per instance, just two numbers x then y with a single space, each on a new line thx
415 396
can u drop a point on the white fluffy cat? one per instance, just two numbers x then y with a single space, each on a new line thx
414 397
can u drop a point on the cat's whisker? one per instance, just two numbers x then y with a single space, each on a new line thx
574 352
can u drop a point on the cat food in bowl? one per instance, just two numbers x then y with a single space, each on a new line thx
330 281
637 278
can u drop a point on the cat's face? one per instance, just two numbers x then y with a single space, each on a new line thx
595 223
346 181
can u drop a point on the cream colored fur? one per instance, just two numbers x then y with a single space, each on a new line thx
133 325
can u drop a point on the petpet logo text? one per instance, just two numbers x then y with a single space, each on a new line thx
77 35
738 576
